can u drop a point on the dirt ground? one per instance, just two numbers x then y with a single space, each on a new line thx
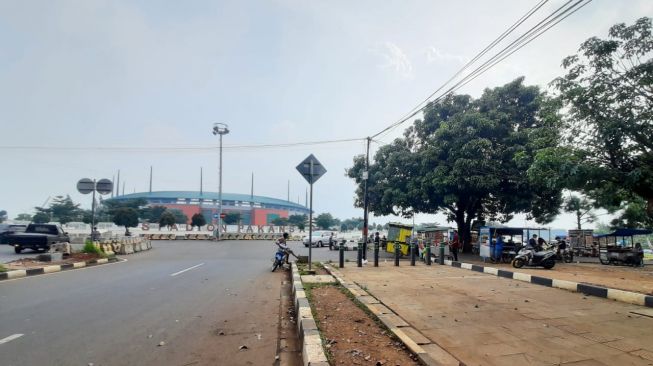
351 336
25 263
638 279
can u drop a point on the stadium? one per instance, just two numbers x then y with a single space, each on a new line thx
254 210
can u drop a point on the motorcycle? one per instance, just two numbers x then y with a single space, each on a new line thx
564 254
527 256
279 258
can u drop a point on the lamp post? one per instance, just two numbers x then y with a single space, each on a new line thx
220 129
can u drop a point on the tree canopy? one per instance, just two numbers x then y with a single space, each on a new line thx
23 217
3 216
167 219
325 221
469 158
62 209
125 216
198 220
232 218
608 91
298 220
581 207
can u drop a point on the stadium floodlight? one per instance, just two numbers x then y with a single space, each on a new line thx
220 129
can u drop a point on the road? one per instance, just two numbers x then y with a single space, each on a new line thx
202 299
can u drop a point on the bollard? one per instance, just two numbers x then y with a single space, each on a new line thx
441 259
412 254
342 254
365 249
376 254
397 254
360 253
428 255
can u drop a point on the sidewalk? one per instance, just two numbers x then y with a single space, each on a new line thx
482 319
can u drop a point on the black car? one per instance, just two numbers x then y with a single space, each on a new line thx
37 237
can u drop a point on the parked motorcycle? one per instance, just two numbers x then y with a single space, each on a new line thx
279 258
527 256
563 252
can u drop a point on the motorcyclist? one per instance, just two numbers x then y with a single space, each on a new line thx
281 243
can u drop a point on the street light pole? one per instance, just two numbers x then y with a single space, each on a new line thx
220 129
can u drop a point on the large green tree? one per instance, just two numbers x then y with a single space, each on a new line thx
325 221
62 209
298 220
198 220
127 217
167 219
232 218
180 216
469 158
633 215
608 91
41 218
23 217
152 213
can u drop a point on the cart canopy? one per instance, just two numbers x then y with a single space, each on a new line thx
626 232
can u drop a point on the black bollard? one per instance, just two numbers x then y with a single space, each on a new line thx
441 259
342 254
365 249
412 254
397 254
360 254
376 254
428 255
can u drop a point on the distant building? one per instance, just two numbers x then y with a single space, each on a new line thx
254 210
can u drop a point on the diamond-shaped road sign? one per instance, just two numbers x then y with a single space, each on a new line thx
311 174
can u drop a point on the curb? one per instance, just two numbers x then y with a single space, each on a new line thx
309 336
628 297
19 273
409 336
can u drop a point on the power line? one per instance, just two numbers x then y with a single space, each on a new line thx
175 148
541 27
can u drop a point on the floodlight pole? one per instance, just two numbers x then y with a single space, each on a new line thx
366 176
220 129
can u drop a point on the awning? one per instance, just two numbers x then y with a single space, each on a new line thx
626 232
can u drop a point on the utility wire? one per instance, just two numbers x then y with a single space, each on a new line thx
515 45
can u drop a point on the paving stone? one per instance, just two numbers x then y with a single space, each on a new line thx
318 279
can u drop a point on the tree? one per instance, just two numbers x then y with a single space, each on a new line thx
633 215
297 220
87 216
167 219
3 216
280 221
469 159
62 209
23 217
152 213
609 95
198 220
127 217
231 218
582 208
180 216
41 218
324 221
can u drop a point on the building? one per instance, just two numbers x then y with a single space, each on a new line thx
254 210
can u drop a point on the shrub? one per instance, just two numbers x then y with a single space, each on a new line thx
89 247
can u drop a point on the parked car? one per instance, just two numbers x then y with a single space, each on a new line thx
38 237
8 229
320 238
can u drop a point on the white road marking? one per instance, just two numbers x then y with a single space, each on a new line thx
187 269
10 338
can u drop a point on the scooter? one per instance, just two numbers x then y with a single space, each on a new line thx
279 258
527 256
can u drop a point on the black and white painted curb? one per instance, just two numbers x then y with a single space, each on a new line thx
598 291
312 351
409 336
54 268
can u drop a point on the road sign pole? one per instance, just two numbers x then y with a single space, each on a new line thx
93 209
310 223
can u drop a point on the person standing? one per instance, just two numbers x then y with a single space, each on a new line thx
331 241
454 245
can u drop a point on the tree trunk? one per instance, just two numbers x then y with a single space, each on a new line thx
578 220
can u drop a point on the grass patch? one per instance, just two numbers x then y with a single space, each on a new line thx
3 269
90 248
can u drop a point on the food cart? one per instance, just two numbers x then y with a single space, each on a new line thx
619 247
399 233
517 238
581 243
434 235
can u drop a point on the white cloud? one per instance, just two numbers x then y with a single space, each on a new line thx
396 59
434 55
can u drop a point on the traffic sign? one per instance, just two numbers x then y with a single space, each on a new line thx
223 215
215 216
85 186
311 169
104 186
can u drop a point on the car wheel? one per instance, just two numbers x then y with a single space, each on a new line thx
17 249
319 244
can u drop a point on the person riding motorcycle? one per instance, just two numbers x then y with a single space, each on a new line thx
281 243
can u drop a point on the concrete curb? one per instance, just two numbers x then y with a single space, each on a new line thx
54 268
409 336
628 297
309 336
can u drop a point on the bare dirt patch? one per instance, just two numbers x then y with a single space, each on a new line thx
351 336
25 263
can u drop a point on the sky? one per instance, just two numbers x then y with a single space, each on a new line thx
153 77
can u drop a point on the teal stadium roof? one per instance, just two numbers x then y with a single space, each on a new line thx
174 195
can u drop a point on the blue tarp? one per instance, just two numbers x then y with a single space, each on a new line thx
626 232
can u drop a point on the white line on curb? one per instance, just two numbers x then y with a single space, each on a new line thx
187 269
10 338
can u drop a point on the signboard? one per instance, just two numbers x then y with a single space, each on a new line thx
85 186
104 186
311 169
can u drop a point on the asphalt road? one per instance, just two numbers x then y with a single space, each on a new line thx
202 299
7 253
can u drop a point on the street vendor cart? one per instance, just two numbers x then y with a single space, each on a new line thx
514 238
400 234
619 247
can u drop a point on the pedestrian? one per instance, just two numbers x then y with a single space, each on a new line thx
331 241
95 234
498 249
532 242
454 244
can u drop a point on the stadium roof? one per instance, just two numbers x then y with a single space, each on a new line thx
210 196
